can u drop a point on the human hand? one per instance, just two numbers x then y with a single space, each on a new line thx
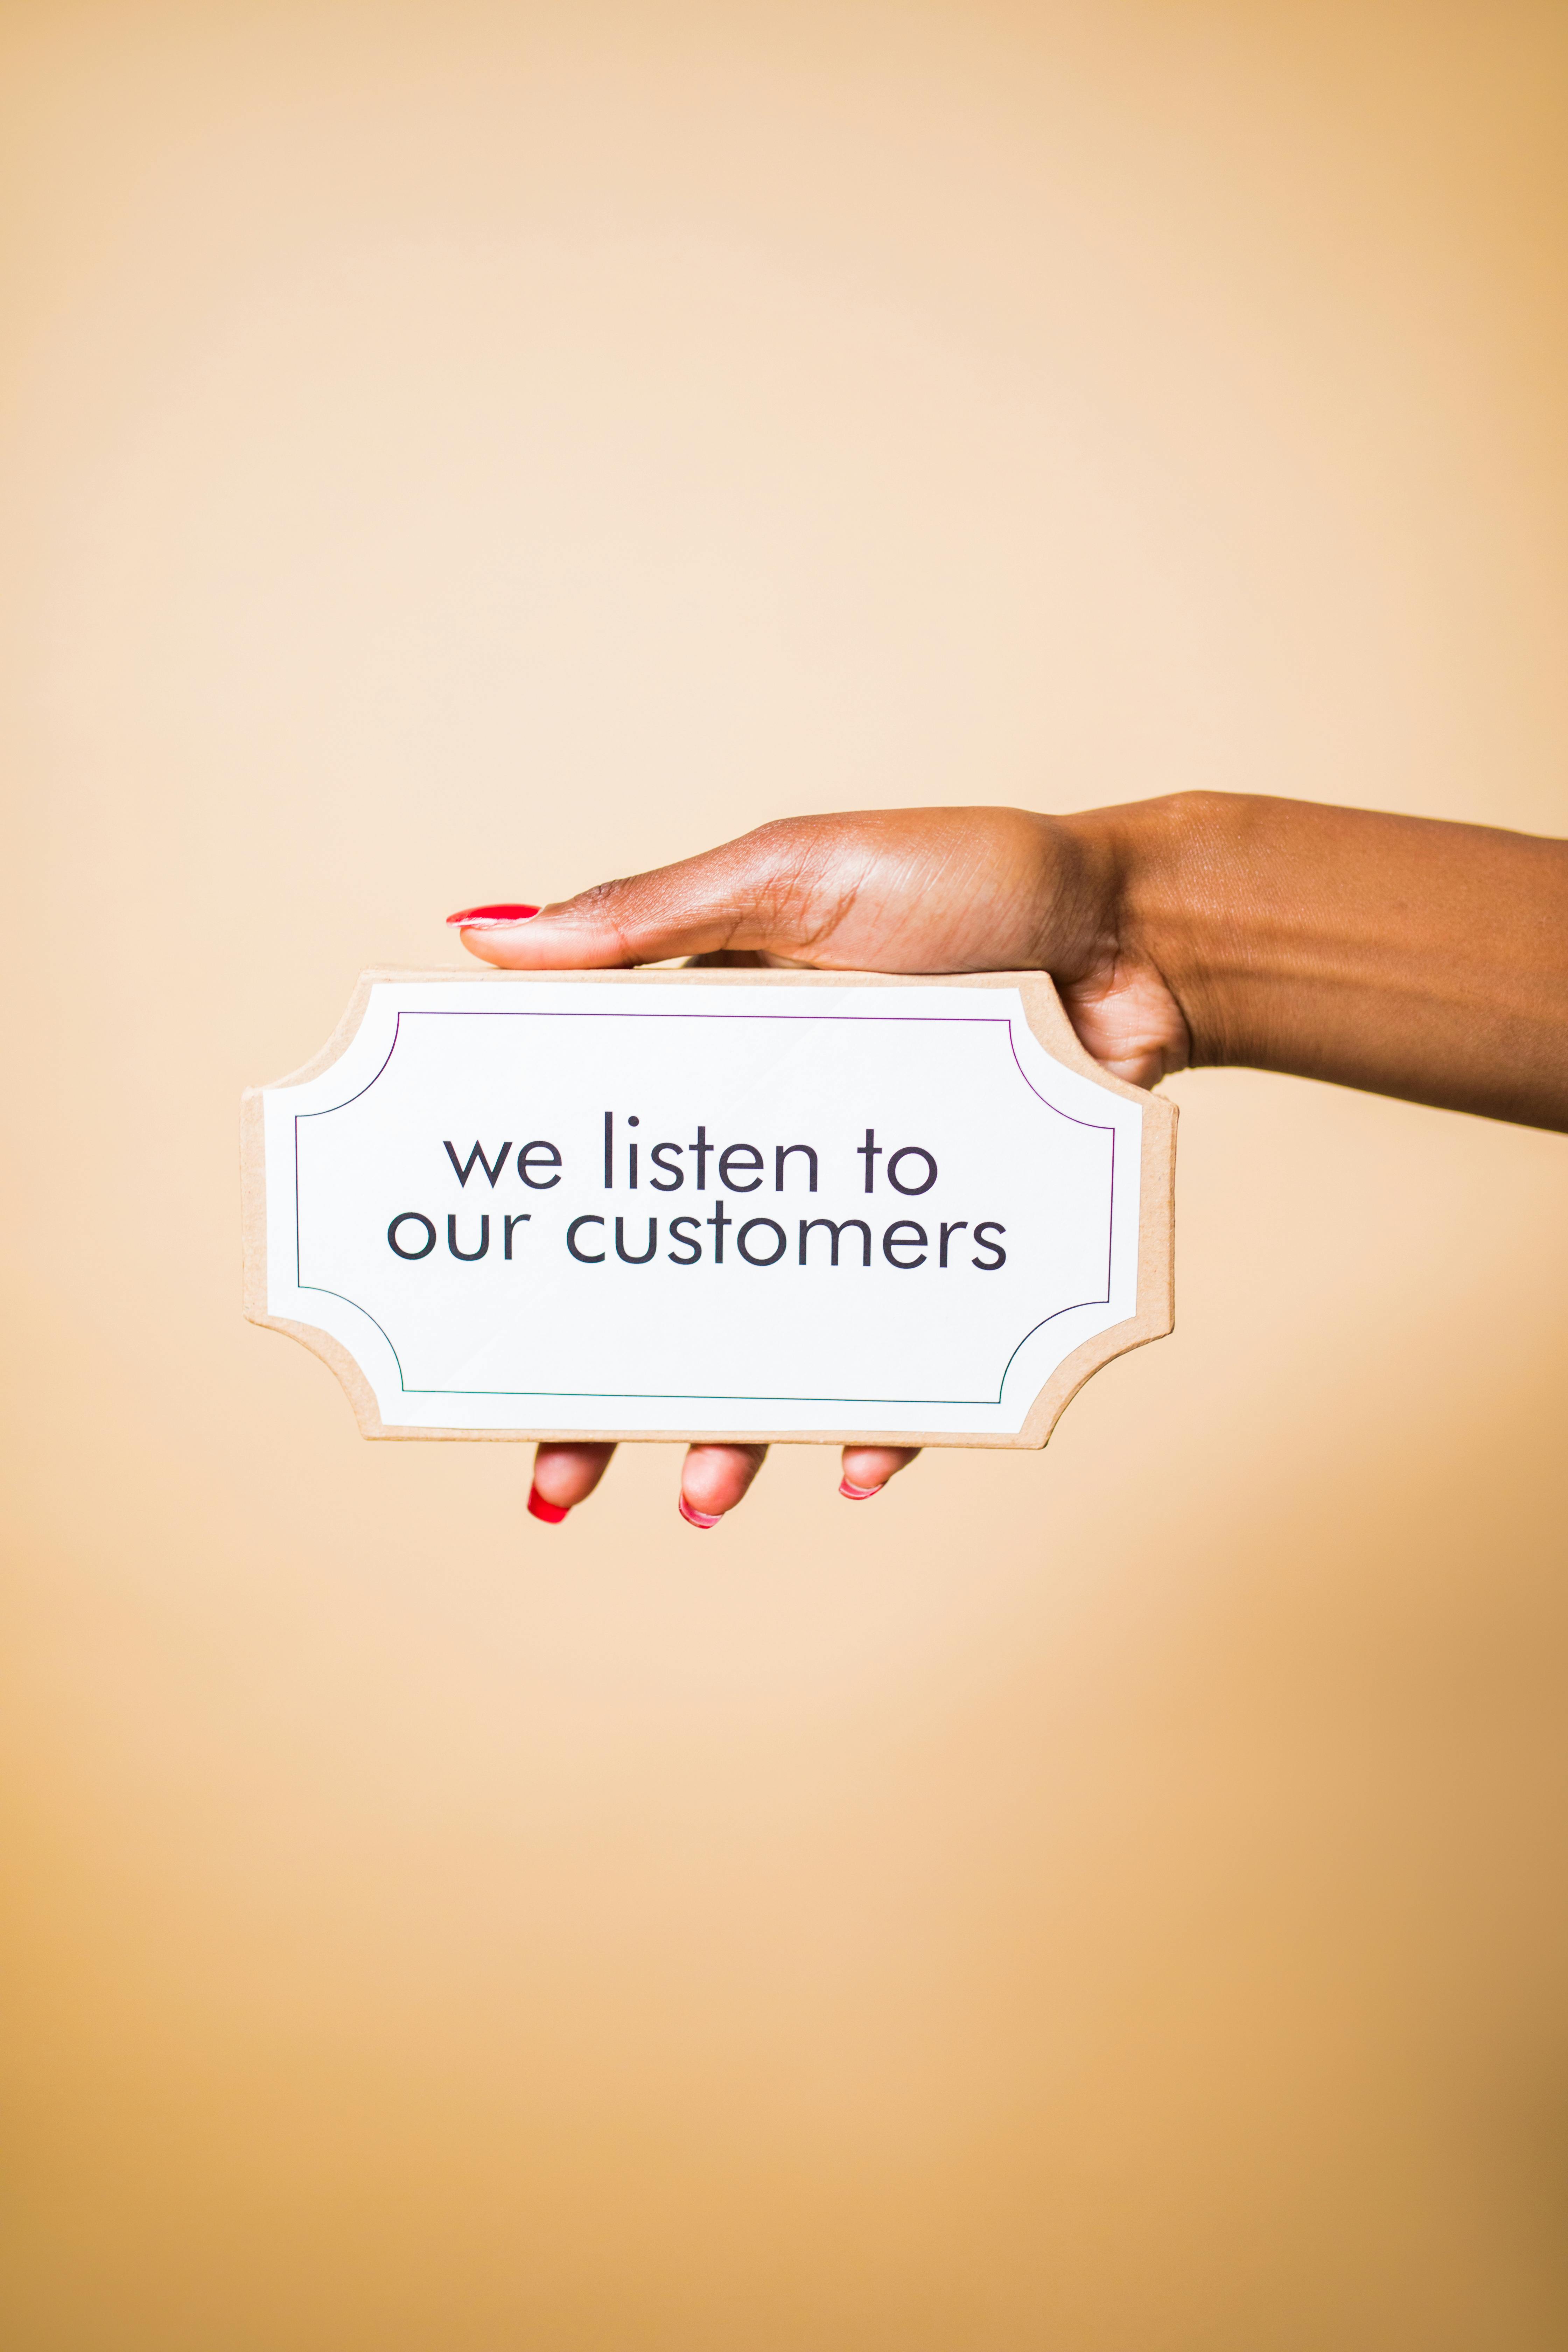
903 890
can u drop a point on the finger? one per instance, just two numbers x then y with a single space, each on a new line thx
564 1476
713 1478
734 898
868 1469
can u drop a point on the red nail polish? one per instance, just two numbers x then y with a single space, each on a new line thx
857 1493
479 918
550 1513
699 1518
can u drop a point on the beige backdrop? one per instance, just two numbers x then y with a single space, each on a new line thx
1110 1901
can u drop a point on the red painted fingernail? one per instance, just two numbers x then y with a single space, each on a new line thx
479 919
857 1493
550 1513
699 1518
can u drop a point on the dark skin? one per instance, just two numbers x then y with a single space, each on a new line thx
1399 954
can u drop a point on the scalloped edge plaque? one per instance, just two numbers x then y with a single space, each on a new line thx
731 1205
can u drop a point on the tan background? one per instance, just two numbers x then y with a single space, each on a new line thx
1110 1901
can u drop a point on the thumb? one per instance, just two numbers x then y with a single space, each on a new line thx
749 895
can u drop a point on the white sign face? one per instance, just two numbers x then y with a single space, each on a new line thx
709 1203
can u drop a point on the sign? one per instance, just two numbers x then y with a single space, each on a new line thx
709 1204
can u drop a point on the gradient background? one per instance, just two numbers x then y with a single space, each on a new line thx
1108 1901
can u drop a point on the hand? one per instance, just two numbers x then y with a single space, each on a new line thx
908 890
1411 958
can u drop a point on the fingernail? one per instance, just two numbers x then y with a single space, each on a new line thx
699 1518
483 918
550 1513
857 1493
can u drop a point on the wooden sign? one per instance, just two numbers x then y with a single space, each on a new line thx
716 1204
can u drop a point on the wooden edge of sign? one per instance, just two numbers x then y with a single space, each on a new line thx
1156 1316
253 1228
1157 1259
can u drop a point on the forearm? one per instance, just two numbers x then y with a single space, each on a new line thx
1399 954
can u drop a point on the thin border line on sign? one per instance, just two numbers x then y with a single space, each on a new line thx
661 1396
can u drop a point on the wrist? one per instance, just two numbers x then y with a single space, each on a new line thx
1180 910
1122 930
